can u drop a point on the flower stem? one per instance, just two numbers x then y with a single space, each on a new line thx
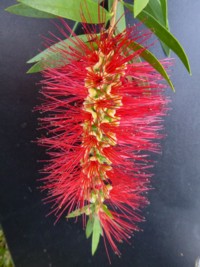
114 12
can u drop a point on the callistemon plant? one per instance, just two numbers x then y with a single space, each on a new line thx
102 111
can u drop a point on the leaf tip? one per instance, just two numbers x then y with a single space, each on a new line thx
171 85
30 61
8 9
31 70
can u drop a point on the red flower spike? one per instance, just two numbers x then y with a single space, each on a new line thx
103 114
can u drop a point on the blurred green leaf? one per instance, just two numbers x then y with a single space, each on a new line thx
79 212
54 59
97 231
138 6
23 10
70 9
65 43
39 66
152 60
89 227
5 256
110 3
107 211
164 35
120 18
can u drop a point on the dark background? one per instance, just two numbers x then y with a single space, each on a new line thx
171 233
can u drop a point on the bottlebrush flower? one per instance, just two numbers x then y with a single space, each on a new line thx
103 115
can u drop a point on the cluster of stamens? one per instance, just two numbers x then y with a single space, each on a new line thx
101 103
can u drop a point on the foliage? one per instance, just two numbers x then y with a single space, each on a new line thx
5 257
152 13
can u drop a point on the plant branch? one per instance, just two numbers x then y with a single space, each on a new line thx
113 19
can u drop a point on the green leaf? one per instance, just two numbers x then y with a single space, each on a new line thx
54 60
155 9
89 227
107 211
23 10
79 212
139 5
110 3
164 6
97 231
120 18
71 42
152 60
49 55
164 35
70 9
39 66
166 49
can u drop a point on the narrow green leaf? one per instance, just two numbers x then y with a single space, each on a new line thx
110 3
164 35
166 49
36 68
89 227
139 5
164 7
159 12
65 43
154 8
53 59
107 211
70 9
97 230
23 10
152 60
120 18
79 212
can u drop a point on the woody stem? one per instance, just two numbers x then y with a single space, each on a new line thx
114 12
